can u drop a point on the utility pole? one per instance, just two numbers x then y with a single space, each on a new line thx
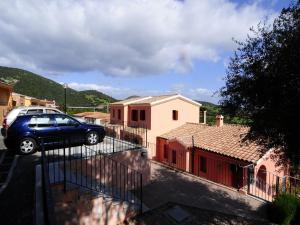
65 88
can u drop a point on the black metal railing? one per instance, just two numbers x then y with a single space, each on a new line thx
91 168
267 185
134 133
47 198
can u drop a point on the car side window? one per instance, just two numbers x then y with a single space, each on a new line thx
40 121
51 111
34 111
65 121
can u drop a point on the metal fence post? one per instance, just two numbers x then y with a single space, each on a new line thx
277 185
141 189
248 179
113 136
65 178
146 137
284 184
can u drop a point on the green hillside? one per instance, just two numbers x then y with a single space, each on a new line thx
212 110
27 83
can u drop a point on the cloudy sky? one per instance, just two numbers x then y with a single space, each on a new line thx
133 47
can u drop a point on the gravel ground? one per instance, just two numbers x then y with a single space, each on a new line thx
17 200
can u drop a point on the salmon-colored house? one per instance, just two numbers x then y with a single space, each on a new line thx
220 154
5 99
157 114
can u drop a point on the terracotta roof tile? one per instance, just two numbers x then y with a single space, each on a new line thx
96 115
226 140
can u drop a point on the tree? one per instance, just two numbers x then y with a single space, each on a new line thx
263 83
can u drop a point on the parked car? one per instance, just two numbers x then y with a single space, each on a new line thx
27 132
26 110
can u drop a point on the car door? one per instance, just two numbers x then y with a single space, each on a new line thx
70 129
44 129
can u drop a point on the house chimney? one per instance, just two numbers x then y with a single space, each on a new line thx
204 116
219 120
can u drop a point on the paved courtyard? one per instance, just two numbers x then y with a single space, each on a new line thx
171 186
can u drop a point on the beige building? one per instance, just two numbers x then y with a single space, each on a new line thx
23 100
5 99
157 114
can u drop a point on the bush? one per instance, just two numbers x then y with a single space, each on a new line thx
296 220
285 209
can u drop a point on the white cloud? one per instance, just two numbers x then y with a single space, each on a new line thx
82 86
201 91
106 89
202 94
120 38
116 92
178 88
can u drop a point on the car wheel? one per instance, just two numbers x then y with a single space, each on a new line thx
92 138
27 146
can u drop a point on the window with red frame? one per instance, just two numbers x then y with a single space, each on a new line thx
134 115
174 157
142 115
203 166
119 114
165 151
175 114
113 112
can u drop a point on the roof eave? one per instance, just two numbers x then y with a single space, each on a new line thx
174 97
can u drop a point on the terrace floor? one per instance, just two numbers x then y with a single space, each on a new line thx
171 186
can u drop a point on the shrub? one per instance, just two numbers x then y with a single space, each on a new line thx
296 220
284 209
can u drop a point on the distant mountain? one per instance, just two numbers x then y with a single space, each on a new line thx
27 83
132 96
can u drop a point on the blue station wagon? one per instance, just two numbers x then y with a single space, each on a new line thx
27 133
